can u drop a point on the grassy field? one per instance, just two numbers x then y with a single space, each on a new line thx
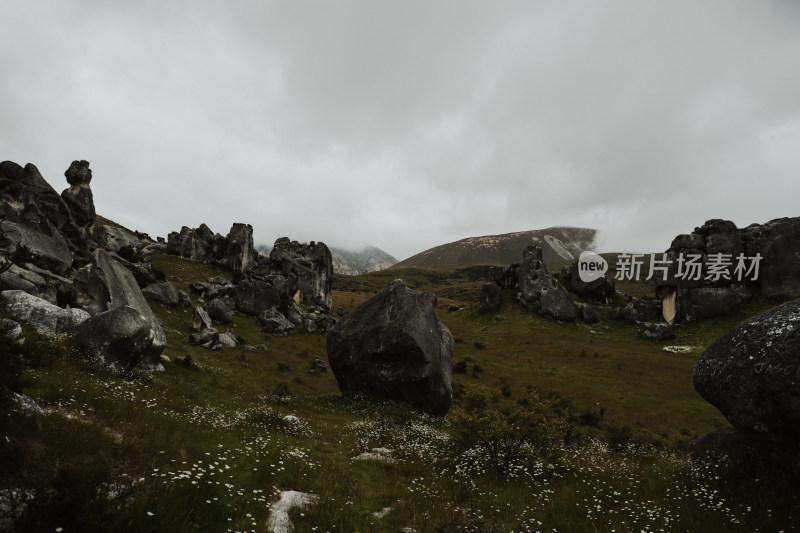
206 449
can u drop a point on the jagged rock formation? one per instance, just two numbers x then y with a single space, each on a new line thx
367 260
752 375
292 272
539 291
776 242
394 346
557 244
234 252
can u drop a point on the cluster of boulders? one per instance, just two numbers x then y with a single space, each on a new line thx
234 252
63 272
776 244
752 375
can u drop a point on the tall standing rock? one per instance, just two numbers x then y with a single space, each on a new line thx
539 291
239 250
79 197
394 346
308 268
106 284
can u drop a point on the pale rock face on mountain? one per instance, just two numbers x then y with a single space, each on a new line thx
369 259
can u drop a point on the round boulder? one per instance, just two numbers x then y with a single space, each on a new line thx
752 372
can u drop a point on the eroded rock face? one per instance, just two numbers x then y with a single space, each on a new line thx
112 239
44 317
307 268
752 373
239 250
106 284
394 346
776 242
117 339
491 298
539 291
252 297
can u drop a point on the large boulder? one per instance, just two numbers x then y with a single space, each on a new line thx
106 284
219 312
36 281
273 320
394 346
255 296
752 373
163 293
78 196
539 291
44 317
639 310
491 298
40 243
117 339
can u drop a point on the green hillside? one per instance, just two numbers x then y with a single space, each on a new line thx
206 450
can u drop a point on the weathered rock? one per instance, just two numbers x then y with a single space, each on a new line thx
252 297
117 339
656 331
509 278
113 239
452 308
44 317
36 281
639 310
106 284
12 330
308 268
27 200
78 197
184 300
190 243
201 319
599 290
198 288
491 298
26 405
219 291
394 346
752 373
776 243
294 313
279 521
539 291
36 243
218 280
239 250
587 313
219 312
227 339
206 337
273 320
163 293
319 365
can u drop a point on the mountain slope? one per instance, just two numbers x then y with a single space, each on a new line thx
558 244
369 259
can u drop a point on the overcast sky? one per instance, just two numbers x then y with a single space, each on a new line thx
410 124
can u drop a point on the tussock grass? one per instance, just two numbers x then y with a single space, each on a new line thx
206 449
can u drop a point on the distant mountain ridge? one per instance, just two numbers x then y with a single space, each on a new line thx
557 243
367 260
